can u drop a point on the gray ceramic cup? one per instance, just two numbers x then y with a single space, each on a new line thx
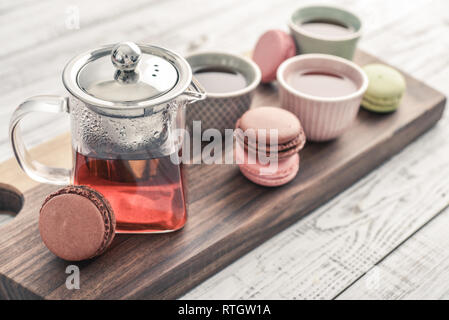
311 43
221 110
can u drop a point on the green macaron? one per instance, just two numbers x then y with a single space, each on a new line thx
385 89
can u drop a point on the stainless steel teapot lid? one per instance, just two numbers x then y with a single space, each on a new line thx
125 79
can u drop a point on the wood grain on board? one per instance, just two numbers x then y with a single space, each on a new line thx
228 215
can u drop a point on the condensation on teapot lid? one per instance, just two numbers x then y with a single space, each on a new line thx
118 79
128 75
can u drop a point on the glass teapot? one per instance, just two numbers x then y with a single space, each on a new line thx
126 103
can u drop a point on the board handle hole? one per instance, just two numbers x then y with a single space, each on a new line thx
11 202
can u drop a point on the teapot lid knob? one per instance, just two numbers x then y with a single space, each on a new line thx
125 56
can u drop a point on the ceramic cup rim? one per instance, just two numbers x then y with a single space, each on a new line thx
310 56
249 87
297 28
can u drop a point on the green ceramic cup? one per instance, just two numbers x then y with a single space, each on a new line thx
308 42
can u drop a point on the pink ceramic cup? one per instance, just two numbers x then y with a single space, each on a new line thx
323 118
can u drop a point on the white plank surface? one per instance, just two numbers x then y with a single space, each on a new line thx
419 269
326 252
323 254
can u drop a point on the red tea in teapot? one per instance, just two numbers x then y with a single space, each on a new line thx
126 103
146 195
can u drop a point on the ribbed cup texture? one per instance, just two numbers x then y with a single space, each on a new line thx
321 120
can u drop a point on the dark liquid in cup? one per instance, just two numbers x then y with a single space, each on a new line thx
220 80
327 28
322 84
146 195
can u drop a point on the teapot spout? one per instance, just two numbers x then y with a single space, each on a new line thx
195 92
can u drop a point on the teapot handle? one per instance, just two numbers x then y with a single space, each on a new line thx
36 170
195 91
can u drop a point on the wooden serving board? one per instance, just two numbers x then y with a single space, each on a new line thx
228 215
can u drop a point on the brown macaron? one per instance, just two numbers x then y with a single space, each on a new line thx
76 223
291 137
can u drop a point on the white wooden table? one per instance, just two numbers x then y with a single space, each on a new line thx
385 237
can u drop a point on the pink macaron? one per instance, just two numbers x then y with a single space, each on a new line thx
261 174
290 135
256 158
273 48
